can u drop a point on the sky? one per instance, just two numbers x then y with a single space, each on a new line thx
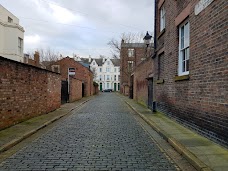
81 27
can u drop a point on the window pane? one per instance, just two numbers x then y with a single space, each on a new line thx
183 55
187 53
183 66
130 52
186 35
182 37
187 65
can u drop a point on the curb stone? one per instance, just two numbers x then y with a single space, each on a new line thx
190 157
14 142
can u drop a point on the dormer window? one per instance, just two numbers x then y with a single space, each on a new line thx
108 62
10 20
94 63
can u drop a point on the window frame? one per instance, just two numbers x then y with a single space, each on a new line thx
162 18
184 44
10 20
20 45
107 69
130 69
131 52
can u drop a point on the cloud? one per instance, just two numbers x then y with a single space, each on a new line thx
63 15
81 26
32 39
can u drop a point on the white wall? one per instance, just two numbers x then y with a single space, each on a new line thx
9 34
111 74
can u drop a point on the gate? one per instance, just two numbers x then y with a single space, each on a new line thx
131 89
150 93
83 89
64 92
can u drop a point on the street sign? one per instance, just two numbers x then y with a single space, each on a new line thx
71 71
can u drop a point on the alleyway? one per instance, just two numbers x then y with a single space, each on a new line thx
102 135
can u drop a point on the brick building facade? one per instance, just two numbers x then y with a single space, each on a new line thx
131 55
191 64
82 75
26 91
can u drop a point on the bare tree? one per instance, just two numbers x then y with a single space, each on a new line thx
115 44
47 56
94 73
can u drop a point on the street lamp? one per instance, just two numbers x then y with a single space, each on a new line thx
147 39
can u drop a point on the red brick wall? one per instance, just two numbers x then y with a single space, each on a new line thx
143 71
95 90
26 91
75 89
202 101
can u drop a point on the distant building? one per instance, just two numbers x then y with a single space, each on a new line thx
11 36
82 74
106 72
131 55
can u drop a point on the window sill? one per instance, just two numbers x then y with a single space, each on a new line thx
161 33
181 78
160 81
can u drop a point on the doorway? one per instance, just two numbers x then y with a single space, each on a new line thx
114 86
150 93
101 87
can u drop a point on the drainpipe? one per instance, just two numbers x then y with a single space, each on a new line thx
155 27
155 46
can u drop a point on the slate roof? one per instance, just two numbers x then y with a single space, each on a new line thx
99 61
135 45
116 62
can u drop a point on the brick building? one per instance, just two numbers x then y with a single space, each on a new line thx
191 64
106 71
81 84
131 55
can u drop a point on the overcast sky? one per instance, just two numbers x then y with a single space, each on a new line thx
82 27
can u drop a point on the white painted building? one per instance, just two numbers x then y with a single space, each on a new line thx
11 36
106 72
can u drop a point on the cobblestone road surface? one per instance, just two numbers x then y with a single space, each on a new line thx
102 135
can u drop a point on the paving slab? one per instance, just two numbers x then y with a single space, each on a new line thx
203 153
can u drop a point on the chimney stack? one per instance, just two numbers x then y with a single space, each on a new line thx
89 59
37 59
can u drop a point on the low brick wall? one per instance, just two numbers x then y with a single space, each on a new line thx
95 89
26 91
75 89
141 83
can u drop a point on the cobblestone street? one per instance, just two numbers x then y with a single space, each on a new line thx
102 135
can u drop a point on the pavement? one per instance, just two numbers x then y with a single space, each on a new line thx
13 135
201 152
104 136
